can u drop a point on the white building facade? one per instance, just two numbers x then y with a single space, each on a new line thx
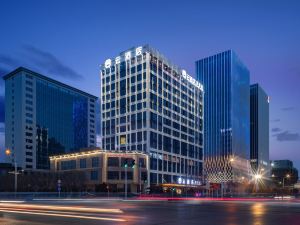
152 106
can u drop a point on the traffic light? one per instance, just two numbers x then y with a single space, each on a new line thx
125 163
133 163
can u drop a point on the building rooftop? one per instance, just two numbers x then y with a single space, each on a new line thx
92 151
147 48
23 69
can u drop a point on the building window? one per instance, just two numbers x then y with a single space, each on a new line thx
94 175
113 161
28 160
113 175
95 162
123 140
129 175
68 165
82 163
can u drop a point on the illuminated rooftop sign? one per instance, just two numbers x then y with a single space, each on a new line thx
138 51
191 80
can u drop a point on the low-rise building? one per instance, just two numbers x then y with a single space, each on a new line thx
284 173
106 169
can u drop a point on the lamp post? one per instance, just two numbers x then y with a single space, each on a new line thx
287 177
140 173
257 178
126 165
13 157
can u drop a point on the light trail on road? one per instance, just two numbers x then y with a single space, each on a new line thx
63 215
61 208
78 212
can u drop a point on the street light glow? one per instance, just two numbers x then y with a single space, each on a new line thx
7 152
257 176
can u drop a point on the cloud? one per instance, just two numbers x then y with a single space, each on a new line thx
49 63
8 61
290 108
275 120
287 136
3 72
276 129
39 60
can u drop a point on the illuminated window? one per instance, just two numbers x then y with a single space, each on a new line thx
123 140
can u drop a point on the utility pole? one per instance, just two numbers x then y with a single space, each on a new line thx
125 182
107 191
16 177
140 172
59 187
126 165
14 160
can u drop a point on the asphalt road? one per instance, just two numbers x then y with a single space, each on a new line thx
94 212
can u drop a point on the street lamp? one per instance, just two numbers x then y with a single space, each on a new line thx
7 152
257 177
13 157
287 177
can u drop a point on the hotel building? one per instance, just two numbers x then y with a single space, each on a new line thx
150 105
44 117
227 117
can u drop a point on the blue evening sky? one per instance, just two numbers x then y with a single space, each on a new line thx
68 40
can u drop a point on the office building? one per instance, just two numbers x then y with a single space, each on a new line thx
152 106
45 117
226 117
259 130
281 164
283 173
105 167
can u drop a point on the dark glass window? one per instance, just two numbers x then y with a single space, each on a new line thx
113 175
122 69
113 161
167 144
139 77
153 140
133 79
94 175
129 175
133 69
123 87
82 163
95 162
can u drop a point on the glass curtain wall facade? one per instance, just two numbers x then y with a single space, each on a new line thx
150 105
227 116
259 135
46 117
